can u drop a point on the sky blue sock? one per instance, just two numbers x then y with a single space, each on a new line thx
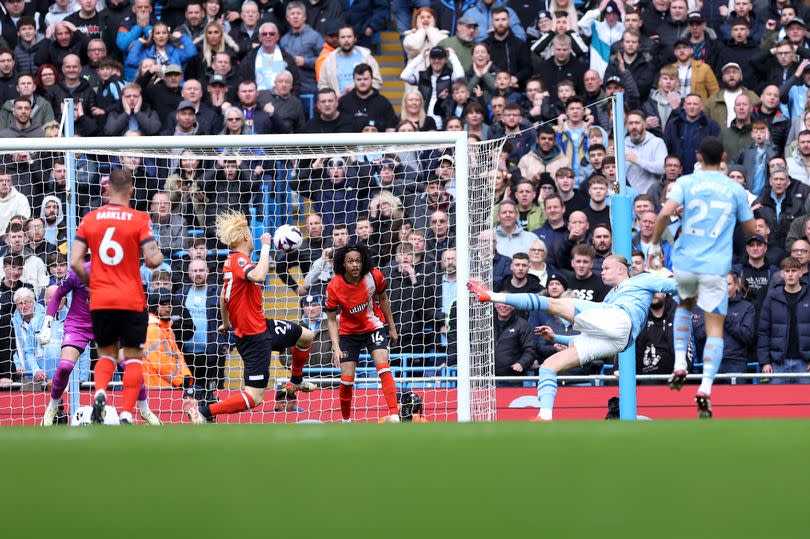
547 388
681 330
527 302
712 358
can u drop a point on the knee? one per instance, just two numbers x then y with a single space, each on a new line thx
306 338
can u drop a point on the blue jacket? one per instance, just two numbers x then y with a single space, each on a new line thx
212 314
177 55
774 325
30 356
739 330
683 139
482 14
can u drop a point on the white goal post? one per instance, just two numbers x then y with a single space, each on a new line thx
276 163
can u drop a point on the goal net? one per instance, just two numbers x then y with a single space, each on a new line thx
421 202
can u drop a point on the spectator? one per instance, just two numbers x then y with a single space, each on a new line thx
186 123
201 350
230 186
29 357
744 51
562 65
434 82
486 254
642 240
554 229
784 66
94 24
509 51
329 119
520 280
12 202
717 104
537 262
703 41
481 12
463 41
577 233
481 73
769 110
597 210
34 272
781 202
602 243
211 42
336 71
514 344
737 136
449 288
304 44
9 284
262 64
162 93
798 161
560 24
584 282
58 11
41 110
29 42
655 353
168 227
313 318
646 154
246 33
55 231
688 126
8 75
163 364
414 110
334 189
512 238
195 23
696 77
743 14
35 241
782 345
608 31
545 157
321 271
756 270
132 114
364 103
22 125
63 41
663 101
166 49
73 86
755 157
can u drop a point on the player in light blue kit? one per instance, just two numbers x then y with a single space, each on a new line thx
606 328
712 205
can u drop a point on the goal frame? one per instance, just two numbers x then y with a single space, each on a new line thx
458 139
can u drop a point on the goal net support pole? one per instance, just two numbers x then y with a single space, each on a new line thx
621 215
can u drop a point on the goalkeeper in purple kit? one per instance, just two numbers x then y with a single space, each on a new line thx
78 332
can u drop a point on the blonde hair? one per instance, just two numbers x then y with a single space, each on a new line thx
232 227
422 116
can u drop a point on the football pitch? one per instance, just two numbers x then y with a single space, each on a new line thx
684 479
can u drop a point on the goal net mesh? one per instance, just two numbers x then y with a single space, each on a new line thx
399 200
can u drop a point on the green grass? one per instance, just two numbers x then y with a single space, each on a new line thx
684 479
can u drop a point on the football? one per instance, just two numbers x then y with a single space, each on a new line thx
287 238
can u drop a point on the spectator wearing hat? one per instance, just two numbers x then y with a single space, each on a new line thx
263 63
507 50
630 58
737 173
796 32
754 158
743 50
743 9
434 83
330 43
549 25
303 43
336 70
185 121
463 41
161 88
544 157
364 102
481 12
602 33
132 114
622 82
201 345
218 92
720 105
163 363
703 40
694 76
314 318
756 269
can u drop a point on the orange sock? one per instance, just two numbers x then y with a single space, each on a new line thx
388 387
103 374
236 403
300 356
133 380
345 394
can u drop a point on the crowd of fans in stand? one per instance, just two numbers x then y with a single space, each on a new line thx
538 73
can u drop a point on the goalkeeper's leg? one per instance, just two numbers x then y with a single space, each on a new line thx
67 361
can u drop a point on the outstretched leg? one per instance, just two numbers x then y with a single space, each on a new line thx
566 308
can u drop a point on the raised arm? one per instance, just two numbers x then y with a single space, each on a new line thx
77 254
259 272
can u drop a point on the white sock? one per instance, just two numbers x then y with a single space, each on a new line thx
497 297
680 360
54 404
705 387
143 406
545 414
100 392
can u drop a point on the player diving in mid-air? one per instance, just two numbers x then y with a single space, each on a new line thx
712 205
77 335
607 328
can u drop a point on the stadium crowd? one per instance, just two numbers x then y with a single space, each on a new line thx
538 73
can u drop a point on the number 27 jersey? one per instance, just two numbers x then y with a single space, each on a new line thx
114 234
712 206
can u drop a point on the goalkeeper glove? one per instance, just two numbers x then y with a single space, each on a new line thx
44 335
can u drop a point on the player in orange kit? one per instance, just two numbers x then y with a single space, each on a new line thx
256 336
358 290
116 234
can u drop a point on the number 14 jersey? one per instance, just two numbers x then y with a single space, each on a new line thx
712 205
114 234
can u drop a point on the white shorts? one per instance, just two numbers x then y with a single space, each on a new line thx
605 333
711 291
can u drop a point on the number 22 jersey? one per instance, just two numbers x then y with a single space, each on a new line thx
114 234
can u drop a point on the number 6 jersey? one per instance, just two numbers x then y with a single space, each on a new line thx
712 206
114 234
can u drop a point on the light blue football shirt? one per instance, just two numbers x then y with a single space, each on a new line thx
712 206
634 296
